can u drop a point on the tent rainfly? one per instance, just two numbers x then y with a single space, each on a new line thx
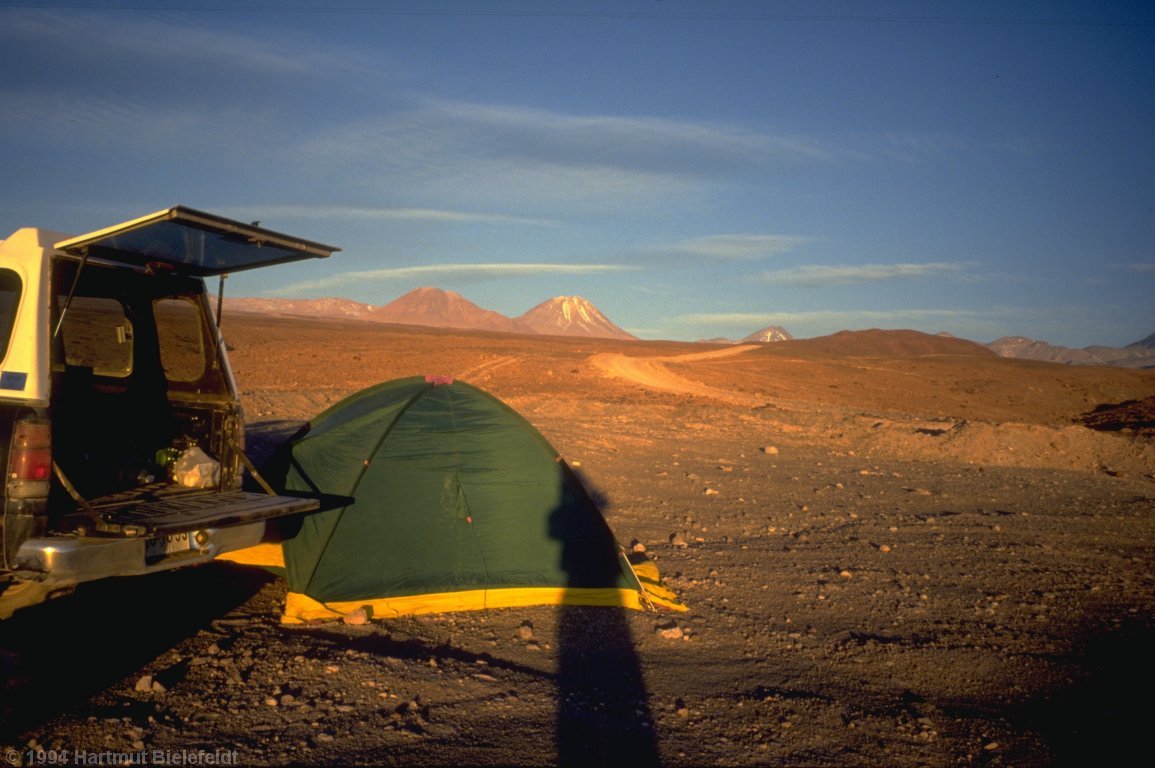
452 502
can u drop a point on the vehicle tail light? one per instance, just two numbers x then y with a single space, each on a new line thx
30 459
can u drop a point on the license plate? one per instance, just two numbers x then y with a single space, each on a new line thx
167 545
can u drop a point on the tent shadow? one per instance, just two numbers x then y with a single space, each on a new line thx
603 713
385 647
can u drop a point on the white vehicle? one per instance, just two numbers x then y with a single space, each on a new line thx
120 429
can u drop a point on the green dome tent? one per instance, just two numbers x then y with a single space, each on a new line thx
452 501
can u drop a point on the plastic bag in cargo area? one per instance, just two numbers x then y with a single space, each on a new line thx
196 469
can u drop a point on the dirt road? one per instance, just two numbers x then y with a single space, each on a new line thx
651 372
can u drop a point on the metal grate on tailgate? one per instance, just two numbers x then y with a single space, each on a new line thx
188 512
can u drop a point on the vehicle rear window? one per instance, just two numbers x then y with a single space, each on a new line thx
97 335
178 326
11 286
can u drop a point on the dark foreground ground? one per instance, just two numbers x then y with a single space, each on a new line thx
880 586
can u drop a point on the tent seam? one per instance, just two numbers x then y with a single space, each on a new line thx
361 475
468 507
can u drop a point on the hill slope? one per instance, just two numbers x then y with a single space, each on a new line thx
441 309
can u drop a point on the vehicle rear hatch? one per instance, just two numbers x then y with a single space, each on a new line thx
192 243
197 244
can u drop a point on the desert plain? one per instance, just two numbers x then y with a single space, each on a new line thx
896 549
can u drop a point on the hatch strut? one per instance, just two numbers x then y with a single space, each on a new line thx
220 297
220 340
71 293
68 486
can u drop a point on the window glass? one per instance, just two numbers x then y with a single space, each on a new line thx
97 335
179 330
10 289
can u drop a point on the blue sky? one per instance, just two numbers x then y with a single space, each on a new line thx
695 169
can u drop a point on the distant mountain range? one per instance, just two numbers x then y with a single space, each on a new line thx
575 316
433 307
1141 354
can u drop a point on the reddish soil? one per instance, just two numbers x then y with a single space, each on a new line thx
897 550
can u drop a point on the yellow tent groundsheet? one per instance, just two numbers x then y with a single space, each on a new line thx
302 609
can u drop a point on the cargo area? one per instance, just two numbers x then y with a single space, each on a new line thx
137 389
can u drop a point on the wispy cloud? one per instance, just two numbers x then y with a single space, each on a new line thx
148 82
101 39
734 247
1142 267
390 144
910 148
916 147
841 318
329 212
818 275
531 157
443 271
630 141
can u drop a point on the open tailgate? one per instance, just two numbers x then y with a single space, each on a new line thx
188 512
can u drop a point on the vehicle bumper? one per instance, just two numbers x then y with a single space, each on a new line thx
67 561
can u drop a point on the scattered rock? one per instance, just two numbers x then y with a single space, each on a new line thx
146 684
357 618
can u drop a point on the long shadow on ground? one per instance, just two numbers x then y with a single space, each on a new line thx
1102 718
56 656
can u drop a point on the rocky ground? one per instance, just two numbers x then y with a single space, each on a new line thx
894 554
